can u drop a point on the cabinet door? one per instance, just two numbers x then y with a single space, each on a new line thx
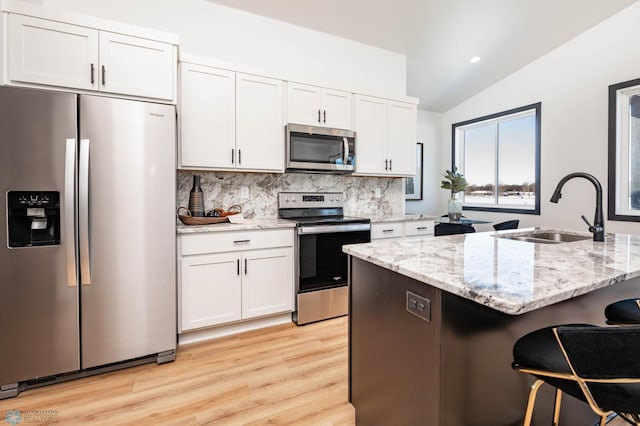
207 117
336 109
371 135
52 53
135 66
267 282
401 138
304 104
259 123
210 290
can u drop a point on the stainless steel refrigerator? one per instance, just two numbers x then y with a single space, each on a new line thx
87 235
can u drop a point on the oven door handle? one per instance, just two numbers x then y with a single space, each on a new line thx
329 229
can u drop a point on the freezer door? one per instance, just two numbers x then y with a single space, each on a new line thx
126 229
38 289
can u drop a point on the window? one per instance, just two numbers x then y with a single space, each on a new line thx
499 156
624 151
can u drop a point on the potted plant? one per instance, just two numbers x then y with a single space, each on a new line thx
454 182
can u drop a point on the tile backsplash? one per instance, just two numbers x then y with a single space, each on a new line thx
222 189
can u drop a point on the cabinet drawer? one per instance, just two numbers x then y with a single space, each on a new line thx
419 227
218 242
386 230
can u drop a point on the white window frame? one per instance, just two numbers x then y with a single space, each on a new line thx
458 129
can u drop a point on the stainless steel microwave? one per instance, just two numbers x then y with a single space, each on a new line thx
320 149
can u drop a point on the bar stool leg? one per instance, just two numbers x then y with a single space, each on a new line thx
556 407
531 402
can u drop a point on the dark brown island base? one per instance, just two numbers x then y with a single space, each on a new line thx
448 361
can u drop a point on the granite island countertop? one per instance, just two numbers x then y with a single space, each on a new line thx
507 275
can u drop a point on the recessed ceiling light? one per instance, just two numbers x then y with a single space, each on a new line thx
474 59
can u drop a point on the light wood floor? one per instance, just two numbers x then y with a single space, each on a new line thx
281 375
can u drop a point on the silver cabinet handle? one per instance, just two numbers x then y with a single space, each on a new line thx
421 228
318 116
239 156
93 74
238 266
103 76
69 212
232 155
241 241
386 164
324 114
387 230
83 210
390 165
245 266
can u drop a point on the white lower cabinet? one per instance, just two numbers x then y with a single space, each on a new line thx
409 228
232 276
418 228
386 230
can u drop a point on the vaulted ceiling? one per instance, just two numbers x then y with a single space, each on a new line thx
440 37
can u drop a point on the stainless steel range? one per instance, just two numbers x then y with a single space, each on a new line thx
321 266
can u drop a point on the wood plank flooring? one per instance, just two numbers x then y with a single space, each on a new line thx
281 375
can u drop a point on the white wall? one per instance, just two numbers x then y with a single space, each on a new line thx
572 84
430 134
232 36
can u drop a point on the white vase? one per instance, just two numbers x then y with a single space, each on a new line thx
454 208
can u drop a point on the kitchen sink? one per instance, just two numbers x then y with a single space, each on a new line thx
543 237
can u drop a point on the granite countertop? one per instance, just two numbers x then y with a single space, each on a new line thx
510 276
405 218
248 224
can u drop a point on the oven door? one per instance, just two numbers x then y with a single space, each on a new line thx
321 263
320 149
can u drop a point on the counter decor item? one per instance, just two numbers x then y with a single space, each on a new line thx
216 215
454 182
196 198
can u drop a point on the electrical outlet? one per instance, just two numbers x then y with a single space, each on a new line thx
419 306
244 192
378 193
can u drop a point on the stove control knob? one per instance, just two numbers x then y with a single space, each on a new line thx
337 198
293 199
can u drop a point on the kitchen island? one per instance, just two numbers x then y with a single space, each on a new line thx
471 296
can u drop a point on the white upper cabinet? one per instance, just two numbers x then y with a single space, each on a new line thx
371 135
207 117
230 120
402 138
259 123
317 106
134 66
385 137
78 57
52 53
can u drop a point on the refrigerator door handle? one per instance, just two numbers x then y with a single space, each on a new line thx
83 209
69 212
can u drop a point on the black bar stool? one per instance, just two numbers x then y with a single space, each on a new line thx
451 229
623 312
509 224
597 365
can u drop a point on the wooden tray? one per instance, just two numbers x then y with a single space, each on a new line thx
191 220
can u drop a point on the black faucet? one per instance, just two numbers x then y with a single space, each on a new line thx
597 229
